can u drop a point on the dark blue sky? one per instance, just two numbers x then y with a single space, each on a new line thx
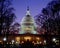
35 6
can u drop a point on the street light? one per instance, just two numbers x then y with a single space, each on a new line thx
4 39
13 41
40 42
54 39
44 41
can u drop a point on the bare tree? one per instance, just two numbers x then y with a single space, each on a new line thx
51 17
6 15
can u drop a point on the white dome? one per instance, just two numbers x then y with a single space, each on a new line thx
27 24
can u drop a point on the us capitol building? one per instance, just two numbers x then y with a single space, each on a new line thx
27 32
27 24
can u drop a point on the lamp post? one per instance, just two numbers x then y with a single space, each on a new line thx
4 41
12 41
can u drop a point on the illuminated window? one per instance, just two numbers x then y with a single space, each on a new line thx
27 38
27 28
17 38
37 38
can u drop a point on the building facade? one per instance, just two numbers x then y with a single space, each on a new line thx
28 24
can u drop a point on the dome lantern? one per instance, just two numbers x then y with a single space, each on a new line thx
28 12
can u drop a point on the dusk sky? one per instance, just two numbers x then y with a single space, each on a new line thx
35 7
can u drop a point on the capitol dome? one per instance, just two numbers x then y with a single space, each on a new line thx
27 24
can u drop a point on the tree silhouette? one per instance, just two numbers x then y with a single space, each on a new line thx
15 28
51 17
6 16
